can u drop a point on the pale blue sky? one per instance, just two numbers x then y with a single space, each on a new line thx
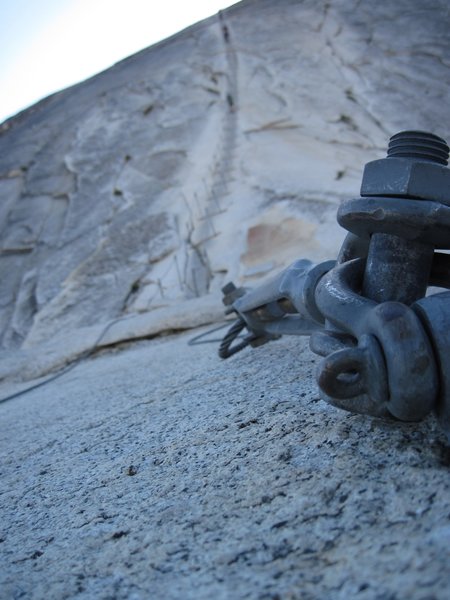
47 45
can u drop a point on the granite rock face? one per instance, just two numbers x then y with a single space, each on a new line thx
154 469
221 153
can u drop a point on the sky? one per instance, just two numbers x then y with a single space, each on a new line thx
47 45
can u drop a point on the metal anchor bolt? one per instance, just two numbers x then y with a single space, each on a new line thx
385 345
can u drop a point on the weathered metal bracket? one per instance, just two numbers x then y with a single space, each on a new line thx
385 344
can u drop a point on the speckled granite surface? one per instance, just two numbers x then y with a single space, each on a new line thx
159 471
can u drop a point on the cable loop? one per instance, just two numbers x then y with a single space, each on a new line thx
225 349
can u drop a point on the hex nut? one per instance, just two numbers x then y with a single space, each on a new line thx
403 177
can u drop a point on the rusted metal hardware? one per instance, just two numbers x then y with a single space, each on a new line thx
385 344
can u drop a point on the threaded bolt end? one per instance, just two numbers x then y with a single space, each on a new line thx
419 145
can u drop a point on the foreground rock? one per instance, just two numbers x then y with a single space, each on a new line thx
158 471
